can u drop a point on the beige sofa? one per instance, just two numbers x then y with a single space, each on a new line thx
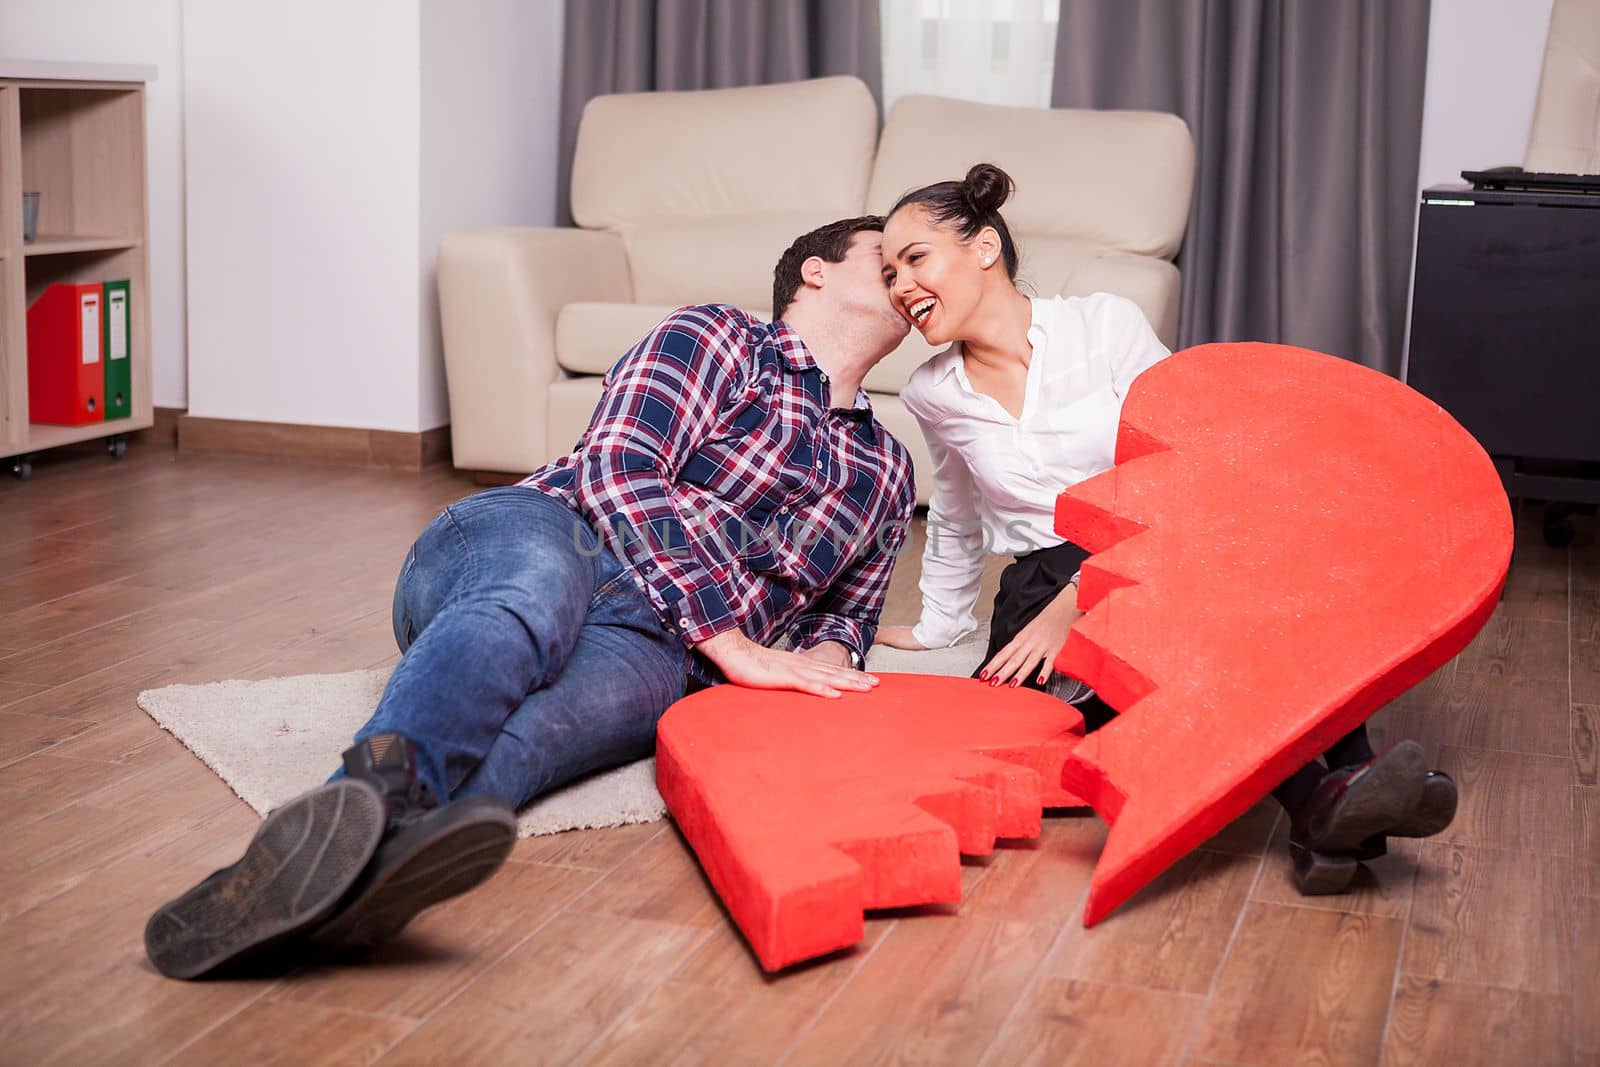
688 198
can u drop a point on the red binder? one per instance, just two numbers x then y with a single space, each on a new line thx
66 376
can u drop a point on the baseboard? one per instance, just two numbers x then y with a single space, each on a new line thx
496 478
324 444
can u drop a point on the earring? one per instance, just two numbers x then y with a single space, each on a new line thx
987 260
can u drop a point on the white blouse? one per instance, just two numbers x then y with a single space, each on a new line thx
996 478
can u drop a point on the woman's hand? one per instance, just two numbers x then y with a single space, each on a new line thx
900 637
746 663
1035 646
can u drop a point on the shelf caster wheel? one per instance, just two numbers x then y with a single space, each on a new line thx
117 445
22 467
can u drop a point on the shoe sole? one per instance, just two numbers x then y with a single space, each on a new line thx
301 862
1436 808
1384 796
459 856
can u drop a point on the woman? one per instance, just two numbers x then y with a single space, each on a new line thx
1024 402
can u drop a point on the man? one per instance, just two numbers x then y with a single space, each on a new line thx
732 487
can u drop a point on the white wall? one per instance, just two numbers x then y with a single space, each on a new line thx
491 97
302 180
324 166
1484 58
147 32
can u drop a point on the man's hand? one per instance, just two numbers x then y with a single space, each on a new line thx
900 637
746 663
834 653
1036 646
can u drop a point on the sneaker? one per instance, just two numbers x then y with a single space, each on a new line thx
301 862
429 853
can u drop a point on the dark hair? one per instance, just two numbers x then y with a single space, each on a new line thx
830 242
969 205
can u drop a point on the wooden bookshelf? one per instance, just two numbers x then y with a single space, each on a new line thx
76 134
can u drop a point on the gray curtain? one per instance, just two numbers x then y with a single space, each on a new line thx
1307 117
629 46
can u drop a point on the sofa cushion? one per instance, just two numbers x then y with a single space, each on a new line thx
1113 179
591 336
572 404
706 153
726 259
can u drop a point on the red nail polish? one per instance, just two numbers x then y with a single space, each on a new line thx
983 676
1015 682
994 682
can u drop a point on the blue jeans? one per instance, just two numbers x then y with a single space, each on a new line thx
530 657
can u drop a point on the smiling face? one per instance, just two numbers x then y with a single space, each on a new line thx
935 279
859 292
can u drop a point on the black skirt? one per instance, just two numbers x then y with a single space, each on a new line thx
1026 587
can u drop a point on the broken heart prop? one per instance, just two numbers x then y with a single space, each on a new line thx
1287 542
804 812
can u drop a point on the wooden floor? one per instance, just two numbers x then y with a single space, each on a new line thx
1480 946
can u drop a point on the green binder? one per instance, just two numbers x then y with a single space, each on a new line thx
118 343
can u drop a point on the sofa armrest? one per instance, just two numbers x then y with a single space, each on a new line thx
499 293
1151 283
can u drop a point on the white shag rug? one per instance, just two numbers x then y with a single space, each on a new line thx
273 739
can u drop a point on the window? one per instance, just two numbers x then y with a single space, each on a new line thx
994 51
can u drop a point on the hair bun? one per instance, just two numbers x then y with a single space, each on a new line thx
986 187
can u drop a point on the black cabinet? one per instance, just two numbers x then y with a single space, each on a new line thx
1505 330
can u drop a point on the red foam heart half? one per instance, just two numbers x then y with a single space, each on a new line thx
1286 543
805 811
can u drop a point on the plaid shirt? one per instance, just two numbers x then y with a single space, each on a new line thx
731 490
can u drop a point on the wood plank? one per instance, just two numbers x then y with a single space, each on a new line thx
936 989
1382 886
11 692
77 986
1529 648
595 850
662 883
1509 799
1536 586
1447 1022
1585 744
34 627
1250 833
181 790
130 737
1586 973
102 646
269 1033
444 948
50 855
1171 936
44 584
1586 645
1492 917
1042 882
551 996
1061 1023
23 735
1506 712
1304 986
689 1024
1586 839
42 784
